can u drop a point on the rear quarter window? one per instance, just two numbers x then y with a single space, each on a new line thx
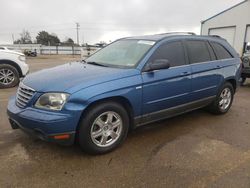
198 51
220 51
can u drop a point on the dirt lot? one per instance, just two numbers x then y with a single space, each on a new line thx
193 150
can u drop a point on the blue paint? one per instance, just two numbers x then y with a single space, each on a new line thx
145 92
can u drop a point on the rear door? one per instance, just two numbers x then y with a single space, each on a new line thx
205 71
224 59
167 88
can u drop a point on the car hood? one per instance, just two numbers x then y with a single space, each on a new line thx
74 76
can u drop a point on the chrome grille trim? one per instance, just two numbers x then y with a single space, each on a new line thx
24 95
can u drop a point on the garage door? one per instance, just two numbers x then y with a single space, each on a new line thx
248 34
227 33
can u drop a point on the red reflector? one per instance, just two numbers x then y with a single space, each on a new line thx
61 137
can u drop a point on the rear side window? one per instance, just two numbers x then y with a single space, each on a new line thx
198 51
211 51
172 51
221 51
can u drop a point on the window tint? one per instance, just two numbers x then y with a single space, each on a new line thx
198 51
173 52
211 52
220 51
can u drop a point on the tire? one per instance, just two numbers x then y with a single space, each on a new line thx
9 76
219 106
95 127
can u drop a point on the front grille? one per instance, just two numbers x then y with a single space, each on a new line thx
24 94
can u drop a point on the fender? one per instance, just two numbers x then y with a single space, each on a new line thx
14 64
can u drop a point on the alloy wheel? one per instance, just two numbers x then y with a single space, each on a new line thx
7 76
225 99
106 129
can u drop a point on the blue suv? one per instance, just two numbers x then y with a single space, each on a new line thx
129 83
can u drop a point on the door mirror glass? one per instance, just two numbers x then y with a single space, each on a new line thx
157 64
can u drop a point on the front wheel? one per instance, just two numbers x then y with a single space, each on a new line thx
223 100
103 128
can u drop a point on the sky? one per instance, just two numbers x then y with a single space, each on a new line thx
104 20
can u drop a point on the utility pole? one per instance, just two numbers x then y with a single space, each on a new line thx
13 38
77 32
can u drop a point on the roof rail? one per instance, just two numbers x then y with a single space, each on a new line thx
180 33
215 36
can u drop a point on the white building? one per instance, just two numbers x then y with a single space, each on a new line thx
232 24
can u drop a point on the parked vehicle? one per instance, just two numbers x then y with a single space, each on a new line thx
129 83
3 48
246 64
12 68
30 53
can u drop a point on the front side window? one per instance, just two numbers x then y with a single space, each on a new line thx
172 51
122 53
198 51
220 51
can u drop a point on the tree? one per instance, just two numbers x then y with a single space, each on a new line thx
45 38
54 40
68 42
25 38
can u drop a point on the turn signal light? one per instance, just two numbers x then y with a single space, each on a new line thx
61 137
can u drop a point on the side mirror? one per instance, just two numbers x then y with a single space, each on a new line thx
157 64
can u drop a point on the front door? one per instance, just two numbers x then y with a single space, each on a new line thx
167 88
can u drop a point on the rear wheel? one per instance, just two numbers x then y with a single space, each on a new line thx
224 100
9 76
103 128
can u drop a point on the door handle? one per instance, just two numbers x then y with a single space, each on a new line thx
185 73
218 67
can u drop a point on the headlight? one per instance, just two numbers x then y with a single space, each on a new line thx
21 58
52 101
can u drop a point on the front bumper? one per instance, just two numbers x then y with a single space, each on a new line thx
50 126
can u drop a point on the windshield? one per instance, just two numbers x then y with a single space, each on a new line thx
121 54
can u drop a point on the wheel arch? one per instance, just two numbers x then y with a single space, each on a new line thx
233 82
123 101
12 63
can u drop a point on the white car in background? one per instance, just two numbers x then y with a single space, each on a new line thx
12 68
4 48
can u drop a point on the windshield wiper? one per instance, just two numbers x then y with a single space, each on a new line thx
95 63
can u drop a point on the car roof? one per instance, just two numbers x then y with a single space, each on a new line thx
183 35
